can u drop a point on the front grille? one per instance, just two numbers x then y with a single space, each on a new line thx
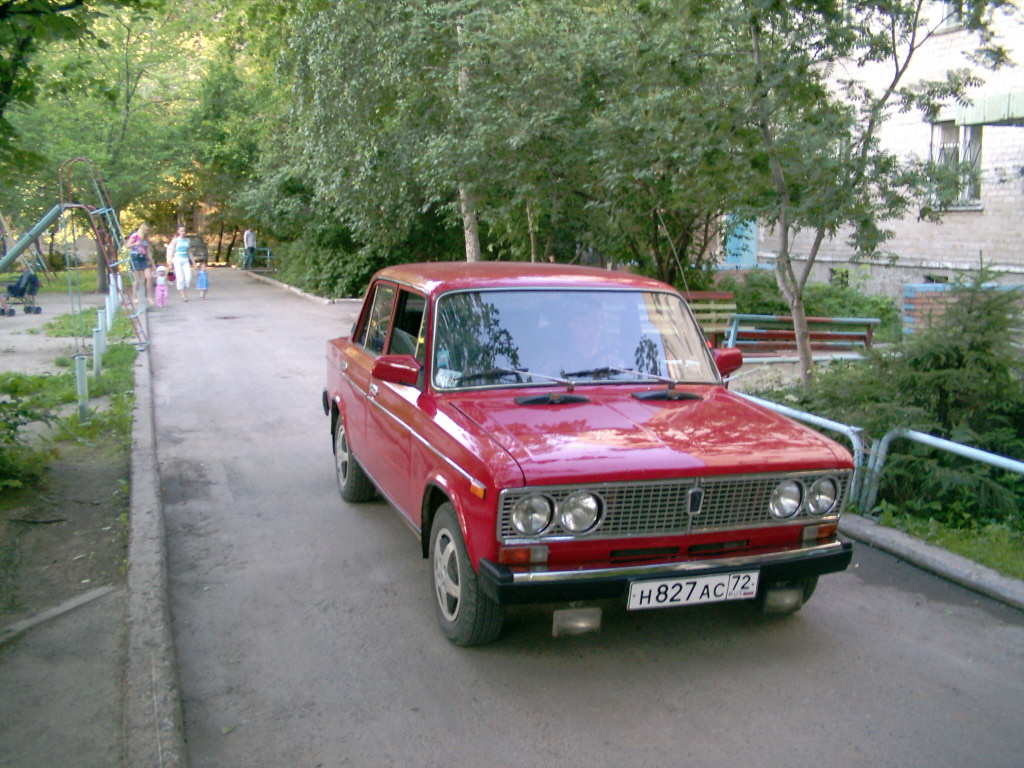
661 507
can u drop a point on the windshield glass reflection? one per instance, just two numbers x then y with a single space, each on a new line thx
489 338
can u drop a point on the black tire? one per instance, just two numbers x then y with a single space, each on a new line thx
353 482
39 310
466 615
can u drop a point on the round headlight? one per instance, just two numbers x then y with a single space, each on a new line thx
579 512
531 515
786 499
822 496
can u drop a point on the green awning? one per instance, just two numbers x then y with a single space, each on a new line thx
1000 109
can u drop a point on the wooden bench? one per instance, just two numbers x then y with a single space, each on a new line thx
767 334
714 311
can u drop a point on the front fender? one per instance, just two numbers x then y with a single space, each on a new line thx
476 516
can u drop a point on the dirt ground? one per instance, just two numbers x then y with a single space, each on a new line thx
70 534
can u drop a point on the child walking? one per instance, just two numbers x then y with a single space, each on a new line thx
202 281
160 292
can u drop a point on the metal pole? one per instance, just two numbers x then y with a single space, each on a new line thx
97 351
82 384
878 458
101 326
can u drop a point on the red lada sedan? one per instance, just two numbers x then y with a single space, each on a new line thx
558 433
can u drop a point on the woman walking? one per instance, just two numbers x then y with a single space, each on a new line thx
182 263
142 263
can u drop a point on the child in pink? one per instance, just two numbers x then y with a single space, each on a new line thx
161 286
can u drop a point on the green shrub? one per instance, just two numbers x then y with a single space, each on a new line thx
757 293
19 463
963 380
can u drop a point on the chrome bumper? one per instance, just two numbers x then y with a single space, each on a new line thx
532 585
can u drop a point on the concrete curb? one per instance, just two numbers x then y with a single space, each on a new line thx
271 281
153 729
956 568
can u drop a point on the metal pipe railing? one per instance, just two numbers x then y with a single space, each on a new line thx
853 433
874 471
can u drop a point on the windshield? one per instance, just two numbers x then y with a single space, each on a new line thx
532 337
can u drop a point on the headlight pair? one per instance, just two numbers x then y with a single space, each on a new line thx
577 513
789 495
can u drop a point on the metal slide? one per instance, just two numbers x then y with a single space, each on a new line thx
30 237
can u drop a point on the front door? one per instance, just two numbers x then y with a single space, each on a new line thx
393 412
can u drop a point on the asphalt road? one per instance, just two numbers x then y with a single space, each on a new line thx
306 636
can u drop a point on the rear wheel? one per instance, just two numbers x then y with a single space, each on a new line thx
466 615
353 483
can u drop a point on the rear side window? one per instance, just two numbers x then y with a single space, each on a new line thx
374 334
407 336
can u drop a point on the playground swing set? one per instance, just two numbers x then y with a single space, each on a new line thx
107 234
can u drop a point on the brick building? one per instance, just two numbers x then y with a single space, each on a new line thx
988 219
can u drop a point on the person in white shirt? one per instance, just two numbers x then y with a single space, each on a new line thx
249 241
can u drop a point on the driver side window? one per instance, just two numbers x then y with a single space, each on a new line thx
378 322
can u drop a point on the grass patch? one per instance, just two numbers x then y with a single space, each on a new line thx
113 422
47 391
81 325
995 545
83 279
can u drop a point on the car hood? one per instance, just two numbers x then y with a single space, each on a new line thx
614 436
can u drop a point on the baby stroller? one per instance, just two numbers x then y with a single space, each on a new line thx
23 291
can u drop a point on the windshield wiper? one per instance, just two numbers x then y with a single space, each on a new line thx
607 370
519 373
489 373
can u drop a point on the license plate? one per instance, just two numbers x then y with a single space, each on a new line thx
664 593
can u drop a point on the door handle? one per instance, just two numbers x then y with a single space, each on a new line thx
343 365
374 389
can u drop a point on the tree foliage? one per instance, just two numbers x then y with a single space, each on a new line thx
28 25
355 134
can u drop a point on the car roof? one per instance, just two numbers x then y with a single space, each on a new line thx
442 276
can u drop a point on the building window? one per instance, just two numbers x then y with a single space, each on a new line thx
959 147
839 277
951 15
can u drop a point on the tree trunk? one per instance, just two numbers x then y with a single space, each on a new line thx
231 245
220 240
533 234
470 226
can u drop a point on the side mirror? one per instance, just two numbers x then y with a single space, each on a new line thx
397 369
727 360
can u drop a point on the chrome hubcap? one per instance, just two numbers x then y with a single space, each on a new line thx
341 457
447 584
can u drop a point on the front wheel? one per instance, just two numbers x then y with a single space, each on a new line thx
353 482
466 615
784 598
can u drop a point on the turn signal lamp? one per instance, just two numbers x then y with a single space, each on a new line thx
818 533
523 555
